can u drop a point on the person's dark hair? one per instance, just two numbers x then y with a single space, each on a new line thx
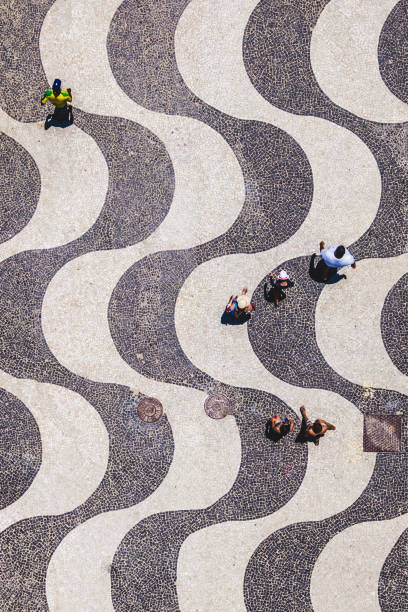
339 252
284 429
317 428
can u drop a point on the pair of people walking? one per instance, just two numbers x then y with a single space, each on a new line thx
310 431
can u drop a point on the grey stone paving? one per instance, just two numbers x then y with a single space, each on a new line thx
279 190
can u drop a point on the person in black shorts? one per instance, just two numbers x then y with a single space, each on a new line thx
276 427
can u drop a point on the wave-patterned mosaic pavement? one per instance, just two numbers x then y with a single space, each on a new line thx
213 141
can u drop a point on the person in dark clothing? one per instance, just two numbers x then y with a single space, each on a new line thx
276 292
276 427
240 305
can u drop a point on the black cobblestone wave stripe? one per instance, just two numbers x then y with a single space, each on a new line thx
394 324
393 583
20 184
268 477
139 458
277 174
276 54
141 181
283 339
279 573
21 69
276 50
393 51
20 448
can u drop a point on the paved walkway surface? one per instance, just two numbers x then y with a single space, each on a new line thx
214 141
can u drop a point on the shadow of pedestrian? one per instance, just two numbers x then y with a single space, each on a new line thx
317 273
272 294
62 118
227 318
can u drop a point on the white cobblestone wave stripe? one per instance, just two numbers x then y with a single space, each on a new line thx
347 571
344 57
75 449
84 345
209 190
78 576
353 345
211 63
212 561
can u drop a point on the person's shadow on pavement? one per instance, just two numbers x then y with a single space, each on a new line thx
227 318
61 118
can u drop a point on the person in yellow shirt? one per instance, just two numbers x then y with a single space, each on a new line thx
59 98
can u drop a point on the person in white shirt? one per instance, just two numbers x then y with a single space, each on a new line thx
334 258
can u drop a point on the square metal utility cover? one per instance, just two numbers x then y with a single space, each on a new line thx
382 433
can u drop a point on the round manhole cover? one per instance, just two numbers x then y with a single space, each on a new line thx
217 406
149 410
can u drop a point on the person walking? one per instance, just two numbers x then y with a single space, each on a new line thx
59 98
277 428
334 258
313 431
240 305
276 292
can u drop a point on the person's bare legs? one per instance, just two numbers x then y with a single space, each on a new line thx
321 245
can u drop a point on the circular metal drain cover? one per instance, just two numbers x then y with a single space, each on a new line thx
217 406
149 409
